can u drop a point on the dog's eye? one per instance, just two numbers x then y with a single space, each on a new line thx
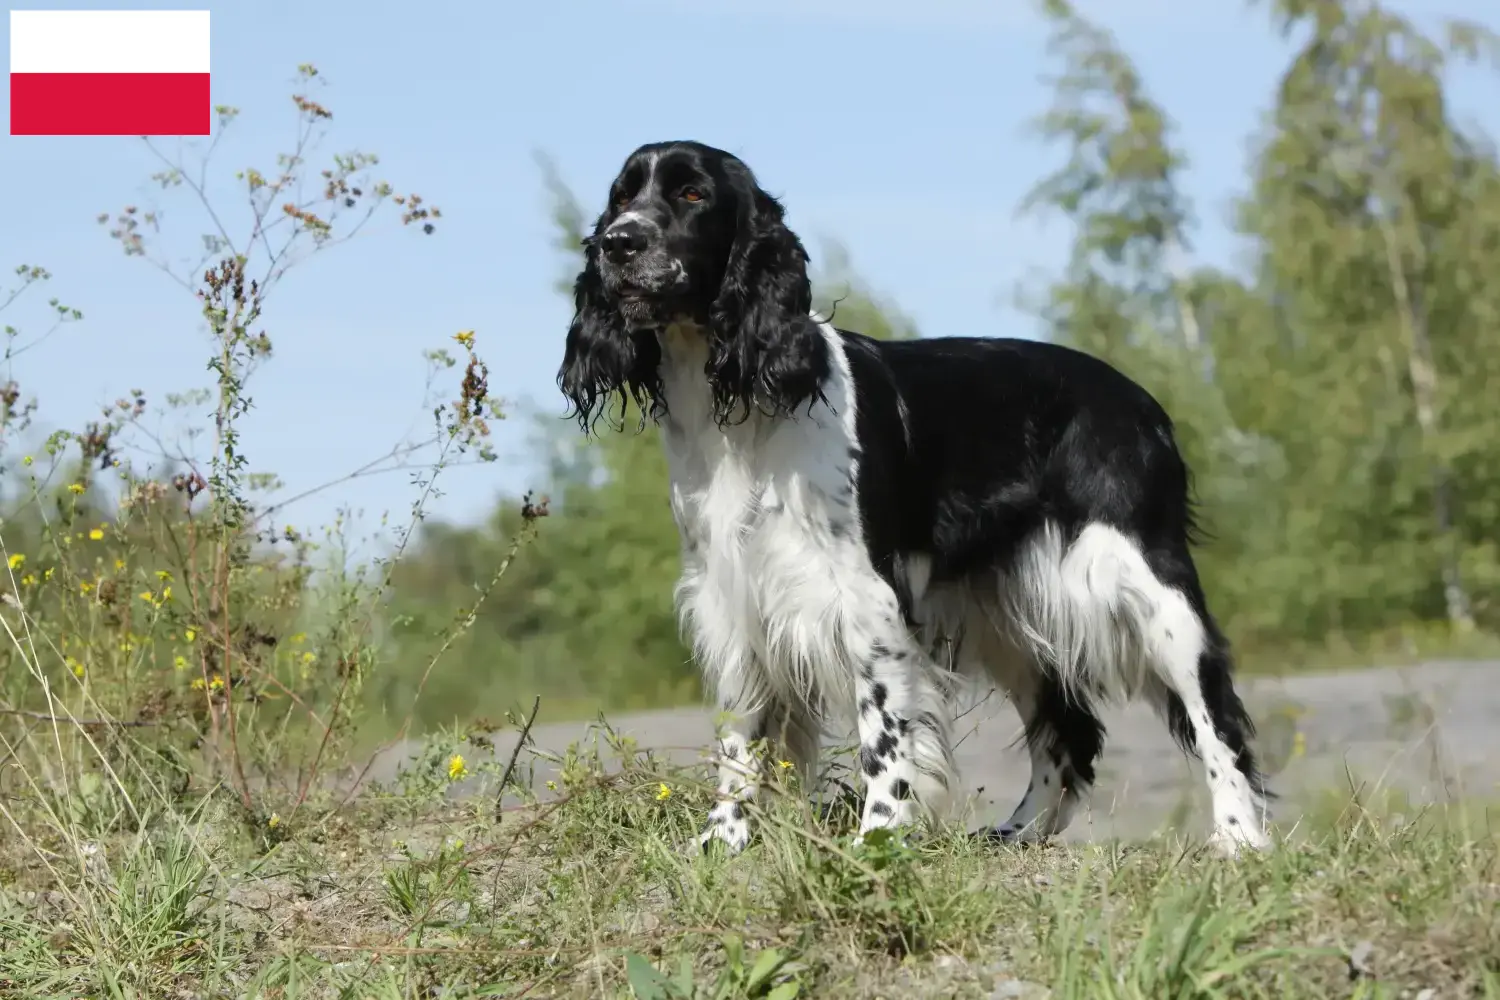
620 204
691 194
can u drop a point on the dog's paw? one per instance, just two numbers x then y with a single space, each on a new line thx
1233 842
727 825
1012 835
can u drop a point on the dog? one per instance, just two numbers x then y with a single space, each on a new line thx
867 525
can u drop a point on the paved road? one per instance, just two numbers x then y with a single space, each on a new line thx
1431 731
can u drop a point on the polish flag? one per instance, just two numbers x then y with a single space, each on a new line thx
109 72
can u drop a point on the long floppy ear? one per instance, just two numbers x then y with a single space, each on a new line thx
602 358
765 350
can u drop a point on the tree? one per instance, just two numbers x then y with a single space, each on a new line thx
1325 400
1376 217
1128 294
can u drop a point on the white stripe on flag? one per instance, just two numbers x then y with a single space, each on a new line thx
109 41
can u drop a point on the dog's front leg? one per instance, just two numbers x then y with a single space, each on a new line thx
739 779
792 738
904 751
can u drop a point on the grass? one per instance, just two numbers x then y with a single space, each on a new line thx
599 892
1409 645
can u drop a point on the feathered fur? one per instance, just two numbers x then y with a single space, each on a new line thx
865 524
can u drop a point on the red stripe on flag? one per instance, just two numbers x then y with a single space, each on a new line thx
110 104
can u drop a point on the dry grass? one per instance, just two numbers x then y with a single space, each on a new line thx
407 892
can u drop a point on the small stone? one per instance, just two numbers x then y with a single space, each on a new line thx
1359 960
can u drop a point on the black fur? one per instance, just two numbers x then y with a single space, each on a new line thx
967 447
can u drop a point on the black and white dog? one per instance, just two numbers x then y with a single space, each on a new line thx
865 524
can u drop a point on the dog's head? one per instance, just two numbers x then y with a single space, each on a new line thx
689 237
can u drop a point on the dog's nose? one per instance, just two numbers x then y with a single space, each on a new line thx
624 241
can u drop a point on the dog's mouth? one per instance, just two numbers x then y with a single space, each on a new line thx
639 307
636 291
646 297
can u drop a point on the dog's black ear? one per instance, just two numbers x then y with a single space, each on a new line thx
603 359
766 351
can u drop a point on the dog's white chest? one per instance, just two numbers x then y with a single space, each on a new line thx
757 530
772 558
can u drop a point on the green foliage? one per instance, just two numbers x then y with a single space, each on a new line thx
769 977
1326 401
1376 218
170 639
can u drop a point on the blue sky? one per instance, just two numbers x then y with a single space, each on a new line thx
897 128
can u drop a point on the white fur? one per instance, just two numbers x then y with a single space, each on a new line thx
785 613
1081 607
766 591
783 608
1095 615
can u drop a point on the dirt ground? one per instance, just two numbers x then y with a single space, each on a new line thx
1429 732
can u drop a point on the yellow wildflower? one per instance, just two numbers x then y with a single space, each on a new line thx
28 580
26 460
274 821
119 564
785 765
76 488
552 785
308 657
216 684
197 684
663 793
47 575
96 534
146 595
17 561
456 767
85 587
190 634
75 667
466 338
180 662
166 594
162 574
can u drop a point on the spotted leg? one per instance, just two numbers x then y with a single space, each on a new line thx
1207 717
1193 687
904 749
794 739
